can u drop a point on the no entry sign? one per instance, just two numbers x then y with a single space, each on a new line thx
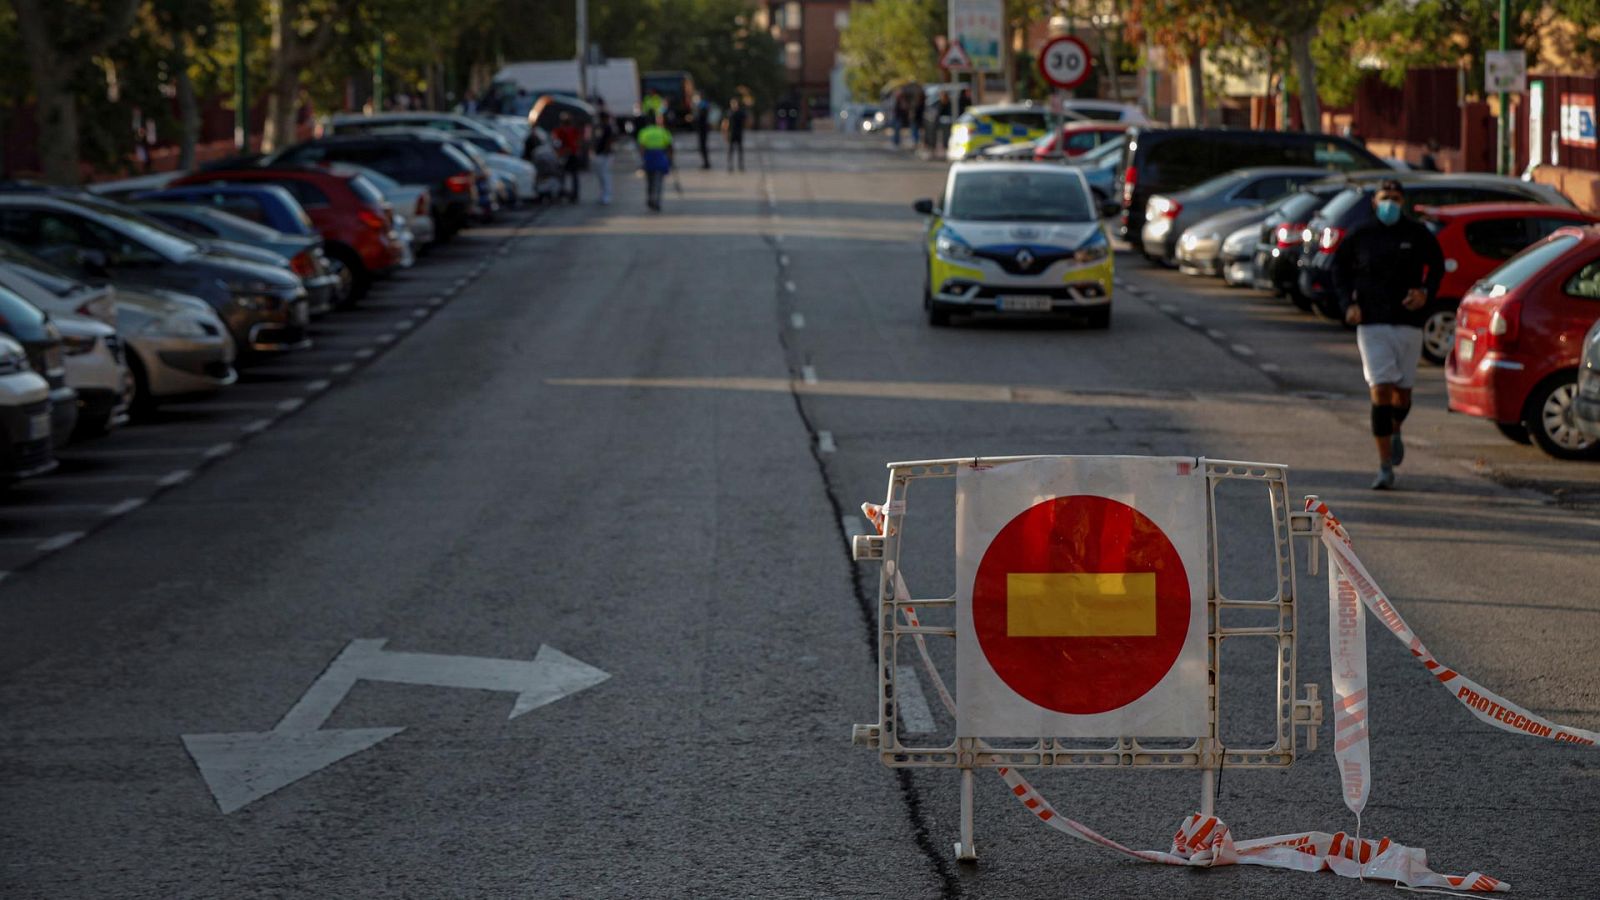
1081 605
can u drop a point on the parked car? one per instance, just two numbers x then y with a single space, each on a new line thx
26 448
264 307
1277 259
1199 250
411 157
1519 338
1167 214
1162 160
1477 238
1586 405
1021 152
1076 138
92 355
173 345
1100 167
999 123
1016 238
412 205
31 327
347 209
1237 256
1352 209
482 133
303 255
1105 110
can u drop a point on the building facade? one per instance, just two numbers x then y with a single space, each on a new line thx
808 33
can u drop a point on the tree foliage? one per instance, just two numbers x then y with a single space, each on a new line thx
892 41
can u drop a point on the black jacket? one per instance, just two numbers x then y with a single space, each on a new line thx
1378 264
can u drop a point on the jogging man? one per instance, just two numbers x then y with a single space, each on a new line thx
1386 272
655 148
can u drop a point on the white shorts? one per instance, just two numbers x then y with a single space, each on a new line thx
1389 353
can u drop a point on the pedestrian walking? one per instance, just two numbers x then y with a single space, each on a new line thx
568 138
605 137
702 129
917 102
901 113
733 129
1386 273
655 151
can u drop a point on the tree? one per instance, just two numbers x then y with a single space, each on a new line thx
302 32
1183 29
177 27
59 39
891 41
1295 24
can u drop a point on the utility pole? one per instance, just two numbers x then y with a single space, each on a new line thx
241 88
1503 157
583 49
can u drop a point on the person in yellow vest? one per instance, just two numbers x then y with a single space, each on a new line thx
655 150
651 108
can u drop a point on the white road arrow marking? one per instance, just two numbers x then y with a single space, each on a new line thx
242 767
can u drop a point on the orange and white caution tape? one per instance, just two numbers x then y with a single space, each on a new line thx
1205 841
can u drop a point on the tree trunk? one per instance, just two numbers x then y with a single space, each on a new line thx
58 127
1305 71
188 108
283 84
1196 89
1108 65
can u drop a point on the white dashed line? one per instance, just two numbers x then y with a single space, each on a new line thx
825 442
1269 367
342 368
125 507
1215 335
291 404
321 384
1169 308
384 339
420 313
914 712
436 301
257 426
60 541
365 353
219 450
404 325
789 286
797 321
1191 321
783 260
175 477
1242 350
808 374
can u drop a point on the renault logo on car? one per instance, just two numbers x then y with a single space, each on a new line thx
1024 258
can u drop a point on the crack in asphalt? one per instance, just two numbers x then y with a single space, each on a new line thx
922 832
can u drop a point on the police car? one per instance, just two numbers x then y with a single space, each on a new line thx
1016 238
984 126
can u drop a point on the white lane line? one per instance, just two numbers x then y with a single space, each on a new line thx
219 450
914 712
1169 308
1191 321
825 442
342 368
1269 367
436 301
783 260
797 321
365 353
257 426
808 374
175 477
384 338
125 507
1215 335
321 384
404 325
789 286
1242 350
291 404
60 541
420 313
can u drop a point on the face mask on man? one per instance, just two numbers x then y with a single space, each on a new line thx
1388 211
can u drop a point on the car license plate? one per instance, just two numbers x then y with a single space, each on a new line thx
1025 303
39 427
1464 349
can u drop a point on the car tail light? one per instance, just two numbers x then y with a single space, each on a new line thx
1288 234
1503 325
1166 208
422 204
459 183
1329 241
302 264
372 220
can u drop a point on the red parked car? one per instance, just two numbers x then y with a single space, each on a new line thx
1076 139
357 226
1519 337
1476 239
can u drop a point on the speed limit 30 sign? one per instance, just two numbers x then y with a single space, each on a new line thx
1064 62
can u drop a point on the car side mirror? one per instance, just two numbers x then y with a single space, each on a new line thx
1110 209
924 206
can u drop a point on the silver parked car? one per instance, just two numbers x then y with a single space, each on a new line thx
1168 215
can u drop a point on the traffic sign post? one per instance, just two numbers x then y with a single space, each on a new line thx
1065 62
1087 619
954 58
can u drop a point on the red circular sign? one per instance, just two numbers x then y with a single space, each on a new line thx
1062 637
1065 62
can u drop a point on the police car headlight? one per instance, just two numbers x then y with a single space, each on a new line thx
1094 251
951 248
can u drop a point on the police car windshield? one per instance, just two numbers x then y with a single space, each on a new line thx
1011 196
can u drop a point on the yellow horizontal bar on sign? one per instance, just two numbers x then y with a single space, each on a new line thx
1081 604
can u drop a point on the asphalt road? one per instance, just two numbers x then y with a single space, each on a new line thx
639 440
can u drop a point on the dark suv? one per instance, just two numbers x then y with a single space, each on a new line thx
1352 209
1162 160
451 177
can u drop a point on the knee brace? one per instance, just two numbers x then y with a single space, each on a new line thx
1382 421
1400 413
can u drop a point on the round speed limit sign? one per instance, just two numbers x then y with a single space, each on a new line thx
1064 62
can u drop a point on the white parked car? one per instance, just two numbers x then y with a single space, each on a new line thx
1107 111
25 442
92 353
